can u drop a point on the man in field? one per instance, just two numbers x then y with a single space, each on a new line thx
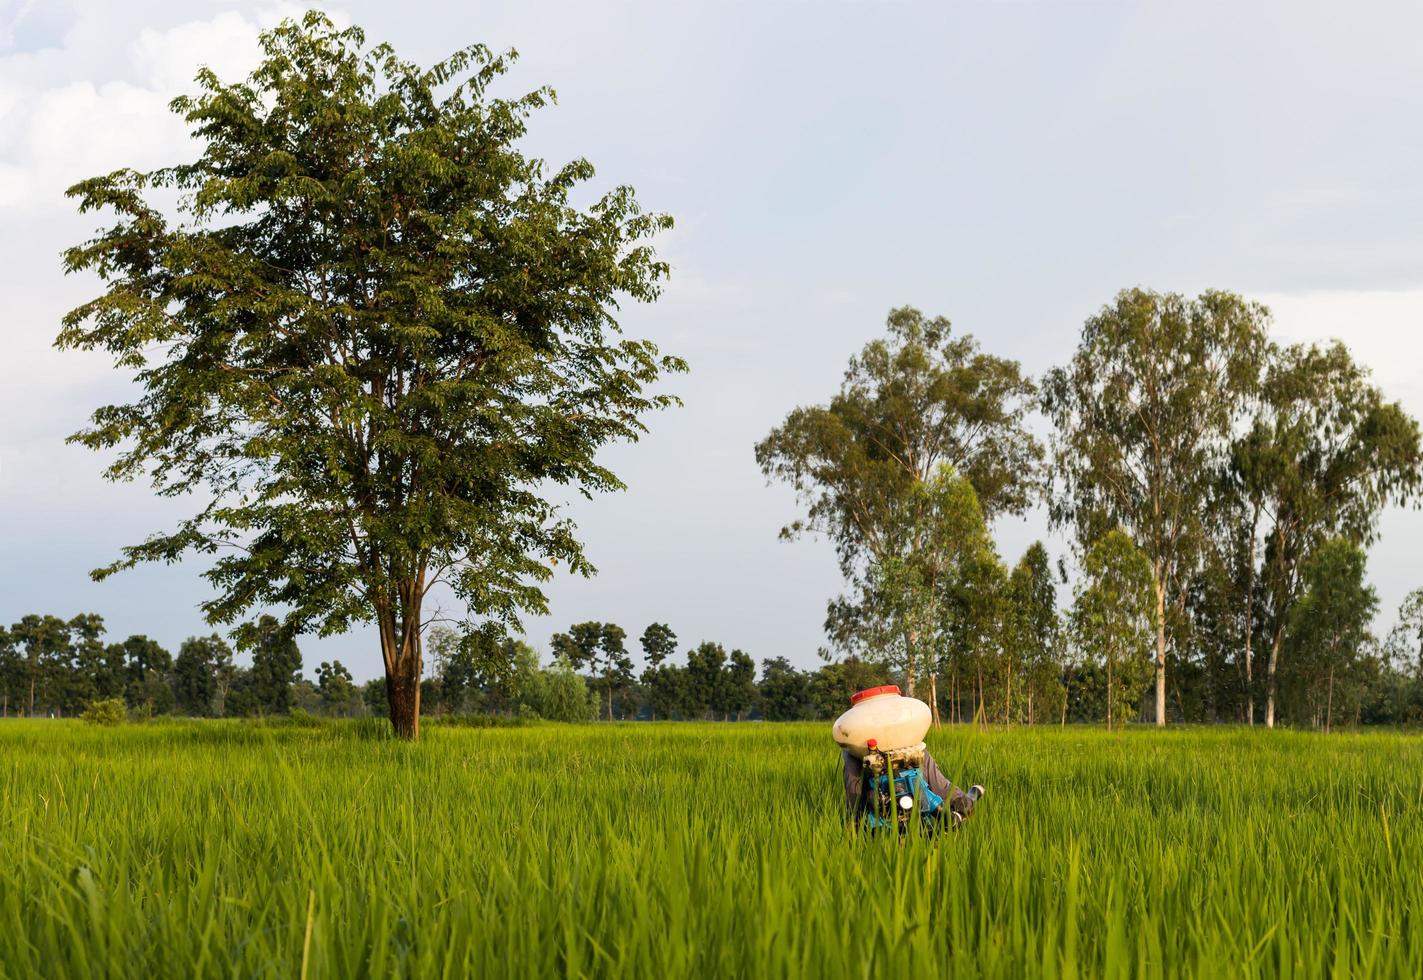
859 797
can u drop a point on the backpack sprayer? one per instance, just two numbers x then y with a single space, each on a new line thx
885 731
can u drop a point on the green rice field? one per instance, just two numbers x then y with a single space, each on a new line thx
207 849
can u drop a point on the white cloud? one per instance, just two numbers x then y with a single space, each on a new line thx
67 112
60 123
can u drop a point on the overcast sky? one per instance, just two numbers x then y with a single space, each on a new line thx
1010 165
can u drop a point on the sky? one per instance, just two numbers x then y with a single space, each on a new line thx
1006 163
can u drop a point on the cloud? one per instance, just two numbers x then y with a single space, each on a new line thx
60 123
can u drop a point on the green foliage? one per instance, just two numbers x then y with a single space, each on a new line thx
600 648
337 691
106 711
1094 855
784 691
368 336
832 685
1114 621
1329 629
1326 454
561 694
276 665
1032 639
199 673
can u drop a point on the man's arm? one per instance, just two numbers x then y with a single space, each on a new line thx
939 783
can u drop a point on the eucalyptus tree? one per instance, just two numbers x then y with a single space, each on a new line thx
1329 625
1032 640
1144 415
370 333
912 404
1326 455
1114 619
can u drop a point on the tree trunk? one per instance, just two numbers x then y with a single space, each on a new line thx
909 639
1250 623
934 698
398 617
1329 705
1160 652
1109 694
1270 676
403 692
1008 698
610 700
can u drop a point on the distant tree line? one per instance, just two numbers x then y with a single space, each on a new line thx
53 666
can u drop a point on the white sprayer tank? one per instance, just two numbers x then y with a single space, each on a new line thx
882 714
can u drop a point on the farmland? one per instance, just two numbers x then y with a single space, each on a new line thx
327 849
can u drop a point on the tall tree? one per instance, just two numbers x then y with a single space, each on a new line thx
1325 456
909 611
1113 620
1329 626
705 679
1144 414
913 404
1032 639
658 643
195 674
146 668
276 663
740 687
371 333
101 669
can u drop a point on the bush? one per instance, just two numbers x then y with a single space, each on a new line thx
108 711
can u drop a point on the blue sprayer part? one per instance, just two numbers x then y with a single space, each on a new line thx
908 783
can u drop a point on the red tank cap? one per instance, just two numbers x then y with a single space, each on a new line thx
872 743
873 692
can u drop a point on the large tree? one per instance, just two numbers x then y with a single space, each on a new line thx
1326 454
370 332
1144 414
915 404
